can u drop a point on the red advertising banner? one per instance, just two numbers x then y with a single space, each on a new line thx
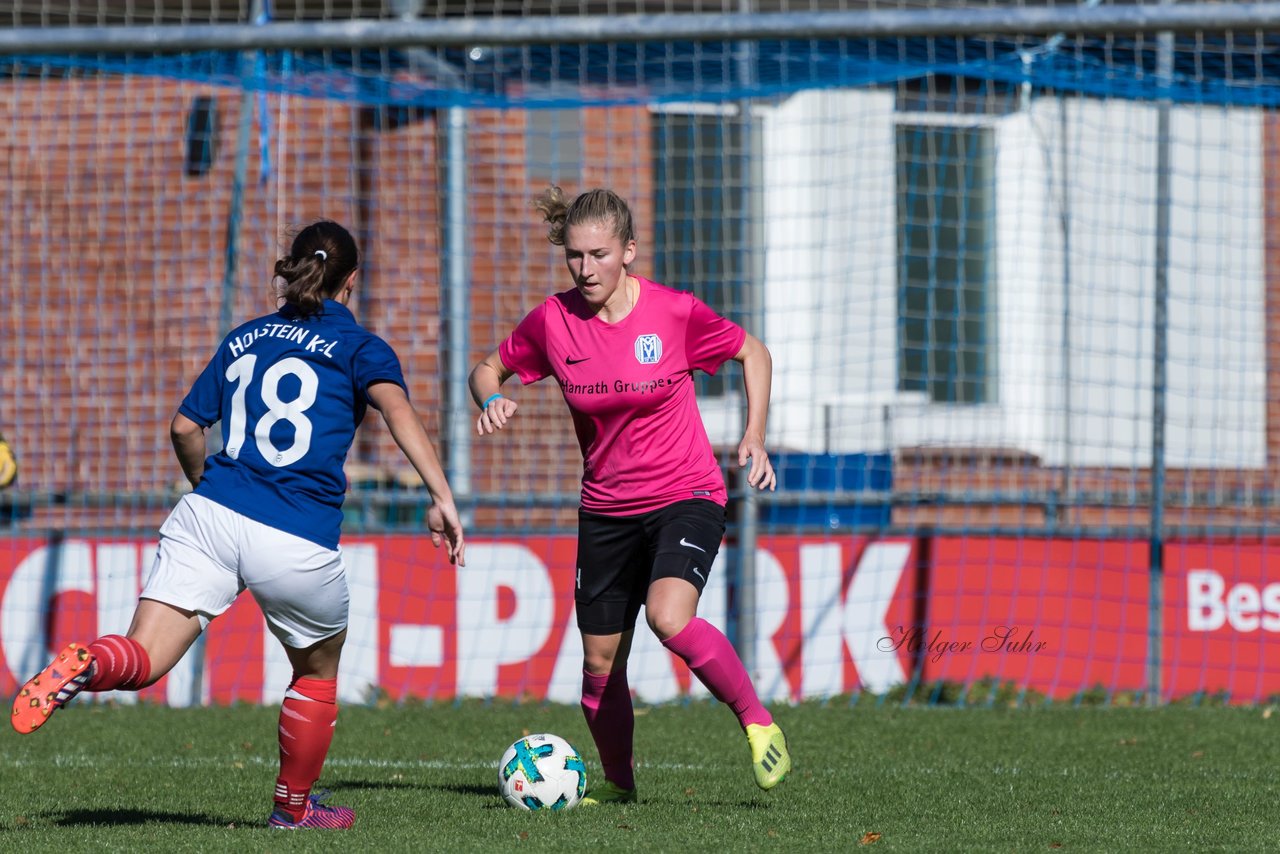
1056 616
834 615
1222 601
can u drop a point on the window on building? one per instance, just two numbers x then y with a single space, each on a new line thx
702 214
946 261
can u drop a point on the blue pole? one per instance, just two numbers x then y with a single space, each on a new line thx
264 118
1159 381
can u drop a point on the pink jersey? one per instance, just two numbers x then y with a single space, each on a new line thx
629 386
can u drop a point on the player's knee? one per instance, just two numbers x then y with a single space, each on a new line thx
666 622
599 660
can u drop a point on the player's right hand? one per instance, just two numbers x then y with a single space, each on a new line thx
496 415
444 524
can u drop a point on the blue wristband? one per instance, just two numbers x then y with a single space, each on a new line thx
490 399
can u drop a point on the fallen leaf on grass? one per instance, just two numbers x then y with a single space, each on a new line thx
869 837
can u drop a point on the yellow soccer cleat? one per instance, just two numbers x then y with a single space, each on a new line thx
770 758
608 793
8 465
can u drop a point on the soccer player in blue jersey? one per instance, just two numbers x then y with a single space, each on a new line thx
290 390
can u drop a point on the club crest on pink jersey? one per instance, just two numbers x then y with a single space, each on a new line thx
648 349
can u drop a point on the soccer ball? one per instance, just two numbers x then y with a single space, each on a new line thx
542 772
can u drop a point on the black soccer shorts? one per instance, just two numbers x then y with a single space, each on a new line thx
620 556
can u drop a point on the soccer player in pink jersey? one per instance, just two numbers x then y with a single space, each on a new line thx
623 350
265 512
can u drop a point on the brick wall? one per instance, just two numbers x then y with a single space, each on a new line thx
117 258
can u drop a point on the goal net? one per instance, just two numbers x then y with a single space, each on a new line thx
1017 286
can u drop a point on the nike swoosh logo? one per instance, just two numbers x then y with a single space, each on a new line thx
569 360
685 542
699 574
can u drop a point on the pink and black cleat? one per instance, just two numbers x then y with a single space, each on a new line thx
317 817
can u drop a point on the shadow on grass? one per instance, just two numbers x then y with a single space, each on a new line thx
727 803
469 789
121 817
338 786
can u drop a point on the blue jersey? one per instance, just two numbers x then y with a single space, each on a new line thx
290 393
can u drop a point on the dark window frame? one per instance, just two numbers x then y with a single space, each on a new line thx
704 218
946 259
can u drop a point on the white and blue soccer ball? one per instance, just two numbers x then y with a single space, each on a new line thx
542 772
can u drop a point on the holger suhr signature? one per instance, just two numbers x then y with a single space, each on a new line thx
1006 639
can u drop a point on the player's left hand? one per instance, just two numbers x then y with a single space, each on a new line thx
444 524
496 415
760 475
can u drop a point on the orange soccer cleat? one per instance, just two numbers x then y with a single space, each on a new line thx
52 688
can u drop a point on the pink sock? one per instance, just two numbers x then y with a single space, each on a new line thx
606 704
119 664
713 660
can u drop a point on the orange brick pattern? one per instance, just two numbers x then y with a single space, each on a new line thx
116 261
114 284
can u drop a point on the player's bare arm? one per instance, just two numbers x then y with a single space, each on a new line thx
188 443
406 428
757 375
486 382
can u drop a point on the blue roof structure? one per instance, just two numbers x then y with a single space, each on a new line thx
1232 69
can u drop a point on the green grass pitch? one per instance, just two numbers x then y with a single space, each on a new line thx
867 777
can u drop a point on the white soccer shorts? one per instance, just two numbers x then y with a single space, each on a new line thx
208 554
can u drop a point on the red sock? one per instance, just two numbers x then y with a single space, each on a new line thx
716 664
606 704
119 664
307 718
